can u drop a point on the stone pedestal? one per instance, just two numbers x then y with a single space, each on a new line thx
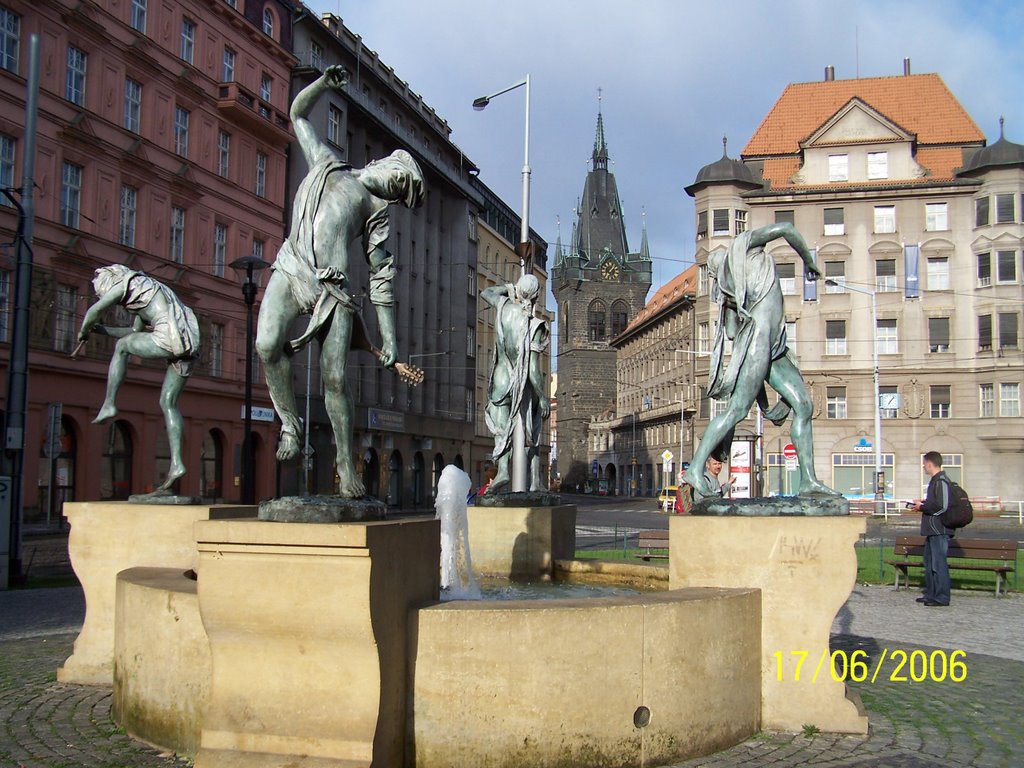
161 659
308 629
805 568
521 542
108 537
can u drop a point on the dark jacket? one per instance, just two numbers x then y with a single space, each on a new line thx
936 501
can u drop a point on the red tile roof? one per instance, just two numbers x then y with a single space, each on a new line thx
921 104
671 293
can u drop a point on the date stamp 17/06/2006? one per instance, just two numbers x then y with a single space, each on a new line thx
916 666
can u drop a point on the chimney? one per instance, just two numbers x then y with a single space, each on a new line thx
906 66
830 73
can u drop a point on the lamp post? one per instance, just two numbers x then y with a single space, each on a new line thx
247 265
879 475
519 463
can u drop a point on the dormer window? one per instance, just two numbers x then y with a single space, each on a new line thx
878 165
838 167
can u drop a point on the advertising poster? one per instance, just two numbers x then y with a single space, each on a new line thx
740 465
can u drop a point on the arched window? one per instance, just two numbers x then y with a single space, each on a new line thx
211 458
596 321
457 461
438 469
371 472
57 477
620 317
116 464
395 479
417 479
268 22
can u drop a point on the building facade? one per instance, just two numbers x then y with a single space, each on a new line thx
404 434
641 445
908 211
599 286
161 144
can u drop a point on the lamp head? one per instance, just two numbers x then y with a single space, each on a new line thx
481 103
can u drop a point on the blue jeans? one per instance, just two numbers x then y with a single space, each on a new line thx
936 569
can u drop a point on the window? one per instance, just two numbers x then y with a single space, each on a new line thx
703 338
1006 266
268 22
10 39
261 174
129 206
334 124
836 272
132 104
952 465
853 474
66 324
702 224
216 349
836 402
888 402
785 217
177 235
228 72
791 334
472 229
938 395
981 212
835 337
257 248
223 154
984 332
181 118
7 144
70 194
620 317
740 222
938 334
835 223
838 167
787 278
1009 399
878 165
266 87
885 275
138 19
1004 209
703 280
886 337
986 401
470 341
720 222
188 40
938 273
5 304
74 83
595 321
1007 330
984 270
316 55
230 4
220 249
885 219
936 217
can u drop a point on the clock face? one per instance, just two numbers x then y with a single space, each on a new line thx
610 271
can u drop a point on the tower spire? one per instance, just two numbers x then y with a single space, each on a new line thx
600 156
645 251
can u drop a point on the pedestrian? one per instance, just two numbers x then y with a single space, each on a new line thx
937 535
717 489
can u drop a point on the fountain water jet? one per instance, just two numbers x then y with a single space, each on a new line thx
457 578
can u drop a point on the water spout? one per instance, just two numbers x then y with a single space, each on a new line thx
457 578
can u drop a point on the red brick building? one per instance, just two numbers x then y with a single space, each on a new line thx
162 140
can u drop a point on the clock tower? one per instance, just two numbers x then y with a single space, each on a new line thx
599 287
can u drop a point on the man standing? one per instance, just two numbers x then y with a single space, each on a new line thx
716 488
752 316
937 535
334 205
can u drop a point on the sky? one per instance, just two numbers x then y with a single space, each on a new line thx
675 76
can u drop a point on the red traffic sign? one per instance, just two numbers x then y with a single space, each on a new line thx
789 451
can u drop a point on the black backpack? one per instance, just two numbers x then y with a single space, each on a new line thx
960 511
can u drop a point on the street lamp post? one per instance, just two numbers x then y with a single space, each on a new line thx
879 476
519 462
247 265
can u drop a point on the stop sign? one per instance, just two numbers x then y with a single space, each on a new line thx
789 451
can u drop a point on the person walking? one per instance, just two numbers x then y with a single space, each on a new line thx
937 535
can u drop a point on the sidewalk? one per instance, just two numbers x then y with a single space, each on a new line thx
974 723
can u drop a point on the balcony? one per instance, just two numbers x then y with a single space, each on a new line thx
243 108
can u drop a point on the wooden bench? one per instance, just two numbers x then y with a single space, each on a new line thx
1001 554
653 540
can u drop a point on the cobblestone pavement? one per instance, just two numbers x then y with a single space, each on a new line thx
975 723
